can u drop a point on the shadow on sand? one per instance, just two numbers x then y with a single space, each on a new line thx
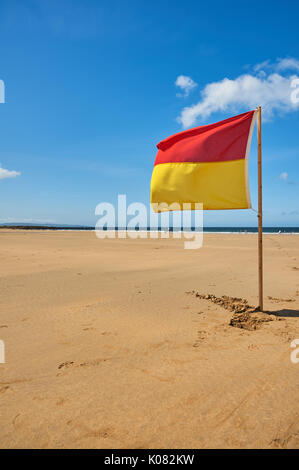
285 312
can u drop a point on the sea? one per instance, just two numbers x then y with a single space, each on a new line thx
244 230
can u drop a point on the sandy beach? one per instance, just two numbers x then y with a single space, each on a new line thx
108 346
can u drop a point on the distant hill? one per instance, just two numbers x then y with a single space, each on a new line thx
30 226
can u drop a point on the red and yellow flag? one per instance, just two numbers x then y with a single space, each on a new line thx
206 164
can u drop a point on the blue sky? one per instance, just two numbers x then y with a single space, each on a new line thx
90 90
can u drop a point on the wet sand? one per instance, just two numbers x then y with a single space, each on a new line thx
108 345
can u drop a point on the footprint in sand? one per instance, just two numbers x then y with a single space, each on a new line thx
275 299
68 364
15 419
87 326
3 389
61 401
201 336
65 364
252 347
100 433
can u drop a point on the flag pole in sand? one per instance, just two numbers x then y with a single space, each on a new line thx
260 205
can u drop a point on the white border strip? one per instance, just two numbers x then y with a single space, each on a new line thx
247 158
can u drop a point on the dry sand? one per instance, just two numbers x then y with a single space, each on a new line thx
108 346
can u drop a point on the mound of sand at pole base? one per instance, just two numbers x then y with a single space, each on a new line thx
244 316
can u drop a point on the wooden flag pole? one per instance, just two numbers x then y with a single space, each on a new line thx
260 205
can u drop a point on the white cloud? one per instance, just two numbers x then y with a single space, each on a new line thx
288 63
185 83
261 66
269 89
285 177
8 174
